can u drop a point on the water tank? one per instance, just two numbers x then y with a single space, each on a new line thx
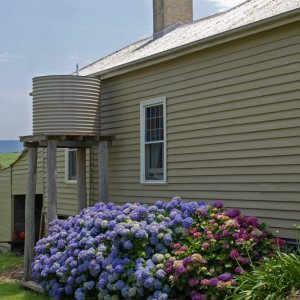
66 105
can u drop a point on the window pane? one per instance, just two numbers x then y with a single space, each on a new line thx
72 165
154 123
154 164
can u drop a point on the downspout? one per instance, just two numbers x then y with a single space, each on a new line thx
90 177
11 205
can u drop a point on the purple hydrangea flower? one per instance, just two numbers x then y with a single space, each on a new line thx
218 204
225 277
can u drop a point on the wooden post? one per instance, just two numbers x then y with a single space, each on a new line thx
103 171
81 179
52 193
30 212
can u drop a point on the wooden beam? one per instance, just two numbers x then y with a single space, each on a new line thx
67 143
33 286
30 144
62 144
103 171
65 137
81 179
52 192
30 213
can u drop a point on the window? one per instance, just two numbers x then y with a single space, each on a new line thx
153 141
70 165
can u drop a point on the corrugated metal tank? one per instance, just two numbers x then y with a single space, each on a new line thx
66 104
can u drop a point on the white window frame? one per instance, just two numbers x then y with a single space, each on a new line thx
67 180
143 105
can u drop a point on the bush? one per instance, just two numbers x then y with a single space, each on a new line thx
276 278
149 252
217 248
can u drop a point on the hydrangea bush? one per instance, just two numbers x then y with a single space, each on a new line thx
220 245
149 252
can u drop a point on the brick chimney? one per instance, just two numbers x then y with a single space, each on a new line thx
169 12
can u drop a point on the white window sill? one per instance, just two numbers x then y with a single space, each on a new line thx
71 181
154 183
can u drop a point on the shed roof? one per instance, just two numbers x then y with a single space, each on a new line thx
248 12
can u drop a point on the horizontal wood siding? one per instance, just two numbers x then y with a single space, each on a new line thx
5 207
13 181
20 174
233 127
66 192
94 176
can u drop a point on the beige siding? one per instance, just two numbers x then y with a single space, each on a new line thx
5 207
66 192
20 174
13 181
94 176
233 123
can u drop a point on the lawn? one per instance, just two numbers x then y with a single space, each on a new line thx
10 290
9 261
7 158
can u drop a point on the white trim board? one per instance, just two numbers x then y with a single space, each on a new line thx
143 105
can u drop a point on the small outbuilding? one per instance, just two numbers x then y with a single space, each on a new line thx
13 188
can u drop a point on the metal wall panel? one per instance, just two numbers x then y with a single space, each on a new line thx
66 104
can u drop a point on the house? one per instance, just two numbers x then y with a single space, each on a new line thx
208 109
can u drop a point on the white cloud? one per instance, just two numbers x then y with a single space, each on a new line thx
6 56
225 4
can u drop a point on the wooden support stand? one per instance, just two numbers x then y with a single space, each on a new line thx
52 142
30 285
29 213
52 193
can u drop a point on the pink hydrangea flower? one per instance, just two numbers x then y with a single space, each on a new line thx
279 242
176 246
244 260
205 282
205 245
234 254
196 234
183 248
238 270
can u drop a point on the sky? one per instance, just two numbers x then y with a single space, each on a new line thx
49 37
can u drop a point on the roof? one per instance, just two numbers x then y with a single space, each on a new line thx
248 12
22 153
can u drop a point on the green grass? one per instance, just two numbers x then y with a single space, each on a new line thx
7 158
12 291
9 261
276 278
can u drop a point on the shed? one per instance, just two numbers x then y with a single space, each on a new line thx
13 186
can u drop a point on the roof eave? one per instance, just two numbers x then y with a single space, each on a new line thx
227 36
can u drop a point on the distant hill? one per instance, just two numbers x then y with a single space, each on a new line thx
10 146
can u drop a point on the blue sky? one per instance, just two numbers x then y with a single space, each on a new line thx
47 37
